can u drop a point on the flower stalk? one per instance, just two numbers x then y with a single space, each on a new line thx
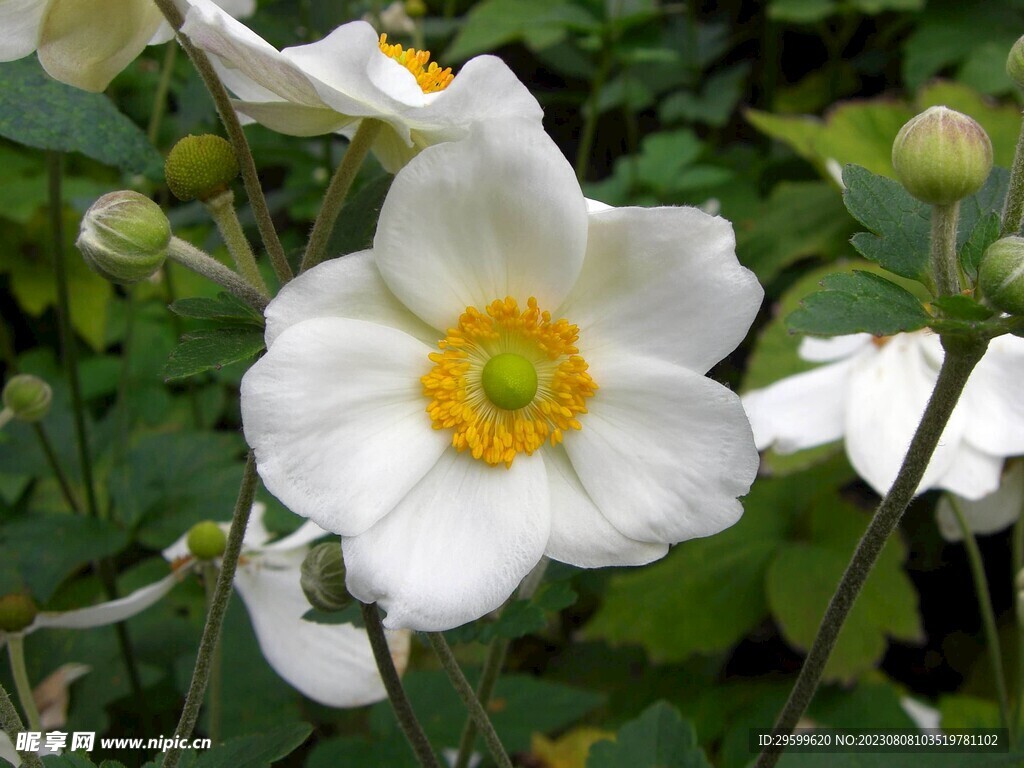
945 270
58 473
214 701
202 263
10 721
16 653
222 209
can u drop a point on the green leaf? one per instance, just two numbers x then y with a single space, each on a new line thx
659 738
258 751
801 11
212 350
962 307
350 614
357 222
225 308
493 23
985 232
861 302
37 111
356 751
518 618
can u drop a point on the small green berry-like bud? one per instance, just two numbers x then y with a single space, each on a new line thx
124 237
17 611
1001 275
206 540
28 397
200 167
323 578
1015 63
942 156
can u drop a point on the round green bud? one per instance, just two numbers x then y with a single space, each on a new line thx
1001 275
942 156
416 8
509 381
200 167
28 397
1015 63
206 540
323 578
17 611
124 237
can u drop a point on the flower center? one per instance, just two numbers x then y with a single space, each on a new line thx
507 381
428 74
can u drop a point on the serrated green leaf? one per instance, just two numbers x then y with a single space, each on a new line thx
212 350
659 738
225 308
37 111
258 751
861 302
984 233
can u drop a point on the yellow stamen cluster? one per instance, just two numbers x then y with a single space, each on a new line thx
457 398
428 74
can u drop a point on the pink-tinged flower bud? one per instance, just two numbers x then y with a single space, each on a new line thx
200 167
1001 275
206 540
124 237
1015 63
323 578
942 156
17 611
27 397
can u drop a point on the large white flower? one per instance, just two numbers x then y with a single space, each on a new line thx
332 84
504 376
330 663
86 43
873 392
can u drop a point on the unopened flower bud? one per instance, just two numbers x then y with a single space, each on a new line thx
416 8
17 611
28 397
942 156
200 167
206 540
1015 63
323 578
124 237
1001 275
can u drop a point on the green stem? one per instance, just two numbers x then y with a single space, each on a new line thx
988 618
222 209
202 263
215 698
236 136
1013 210
960 360
215 616
51 458
393 685
337 190
10 721
16 651
156 115
945 270
465 691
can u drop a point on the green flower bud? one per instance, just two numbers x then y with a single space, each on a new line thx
942 156
200 167
323 578
124 237
28 397
17 611
206 540
416 8
1015 63
1001 275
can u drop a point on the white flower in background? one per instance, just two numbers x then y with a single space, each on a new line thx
351 74
86 43
872 392
505 376
332 664
988 514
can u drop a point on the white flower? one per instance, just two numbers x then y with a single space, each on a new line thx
355 413
988 514
332 664
86 43
332 84
873 392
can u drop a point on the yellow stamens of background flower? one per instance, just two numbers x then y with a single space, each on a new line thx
428 74
458 393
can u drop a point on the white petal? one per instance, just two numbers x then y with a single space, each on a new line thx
330 663
292 119
106 613
497 214
580 534
86 43
664 452
988 514
924 716
347 287
972 473
20 21
802 410
7 751
336 416
836 348
662 282
456 546
993 399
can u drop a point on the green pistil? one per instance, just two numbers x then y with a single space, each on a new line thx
509 381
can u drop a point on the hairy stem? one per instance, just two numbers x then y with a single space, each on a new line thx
216 688
945 270
1013 210
222 209
156 114
10 721
204 264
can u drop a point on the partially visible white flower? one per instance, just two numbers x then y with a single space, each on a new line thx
86 43
872 392
988 514
332 664
332 84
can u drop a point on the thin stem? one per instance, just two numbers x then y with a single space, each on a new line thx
51 458
214 701
156 114
945 270
198 261
10 721
16 652
988 618
393 685
215 616
222 209
236 136
1013 210
593 113
465 691
337 190
959 361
